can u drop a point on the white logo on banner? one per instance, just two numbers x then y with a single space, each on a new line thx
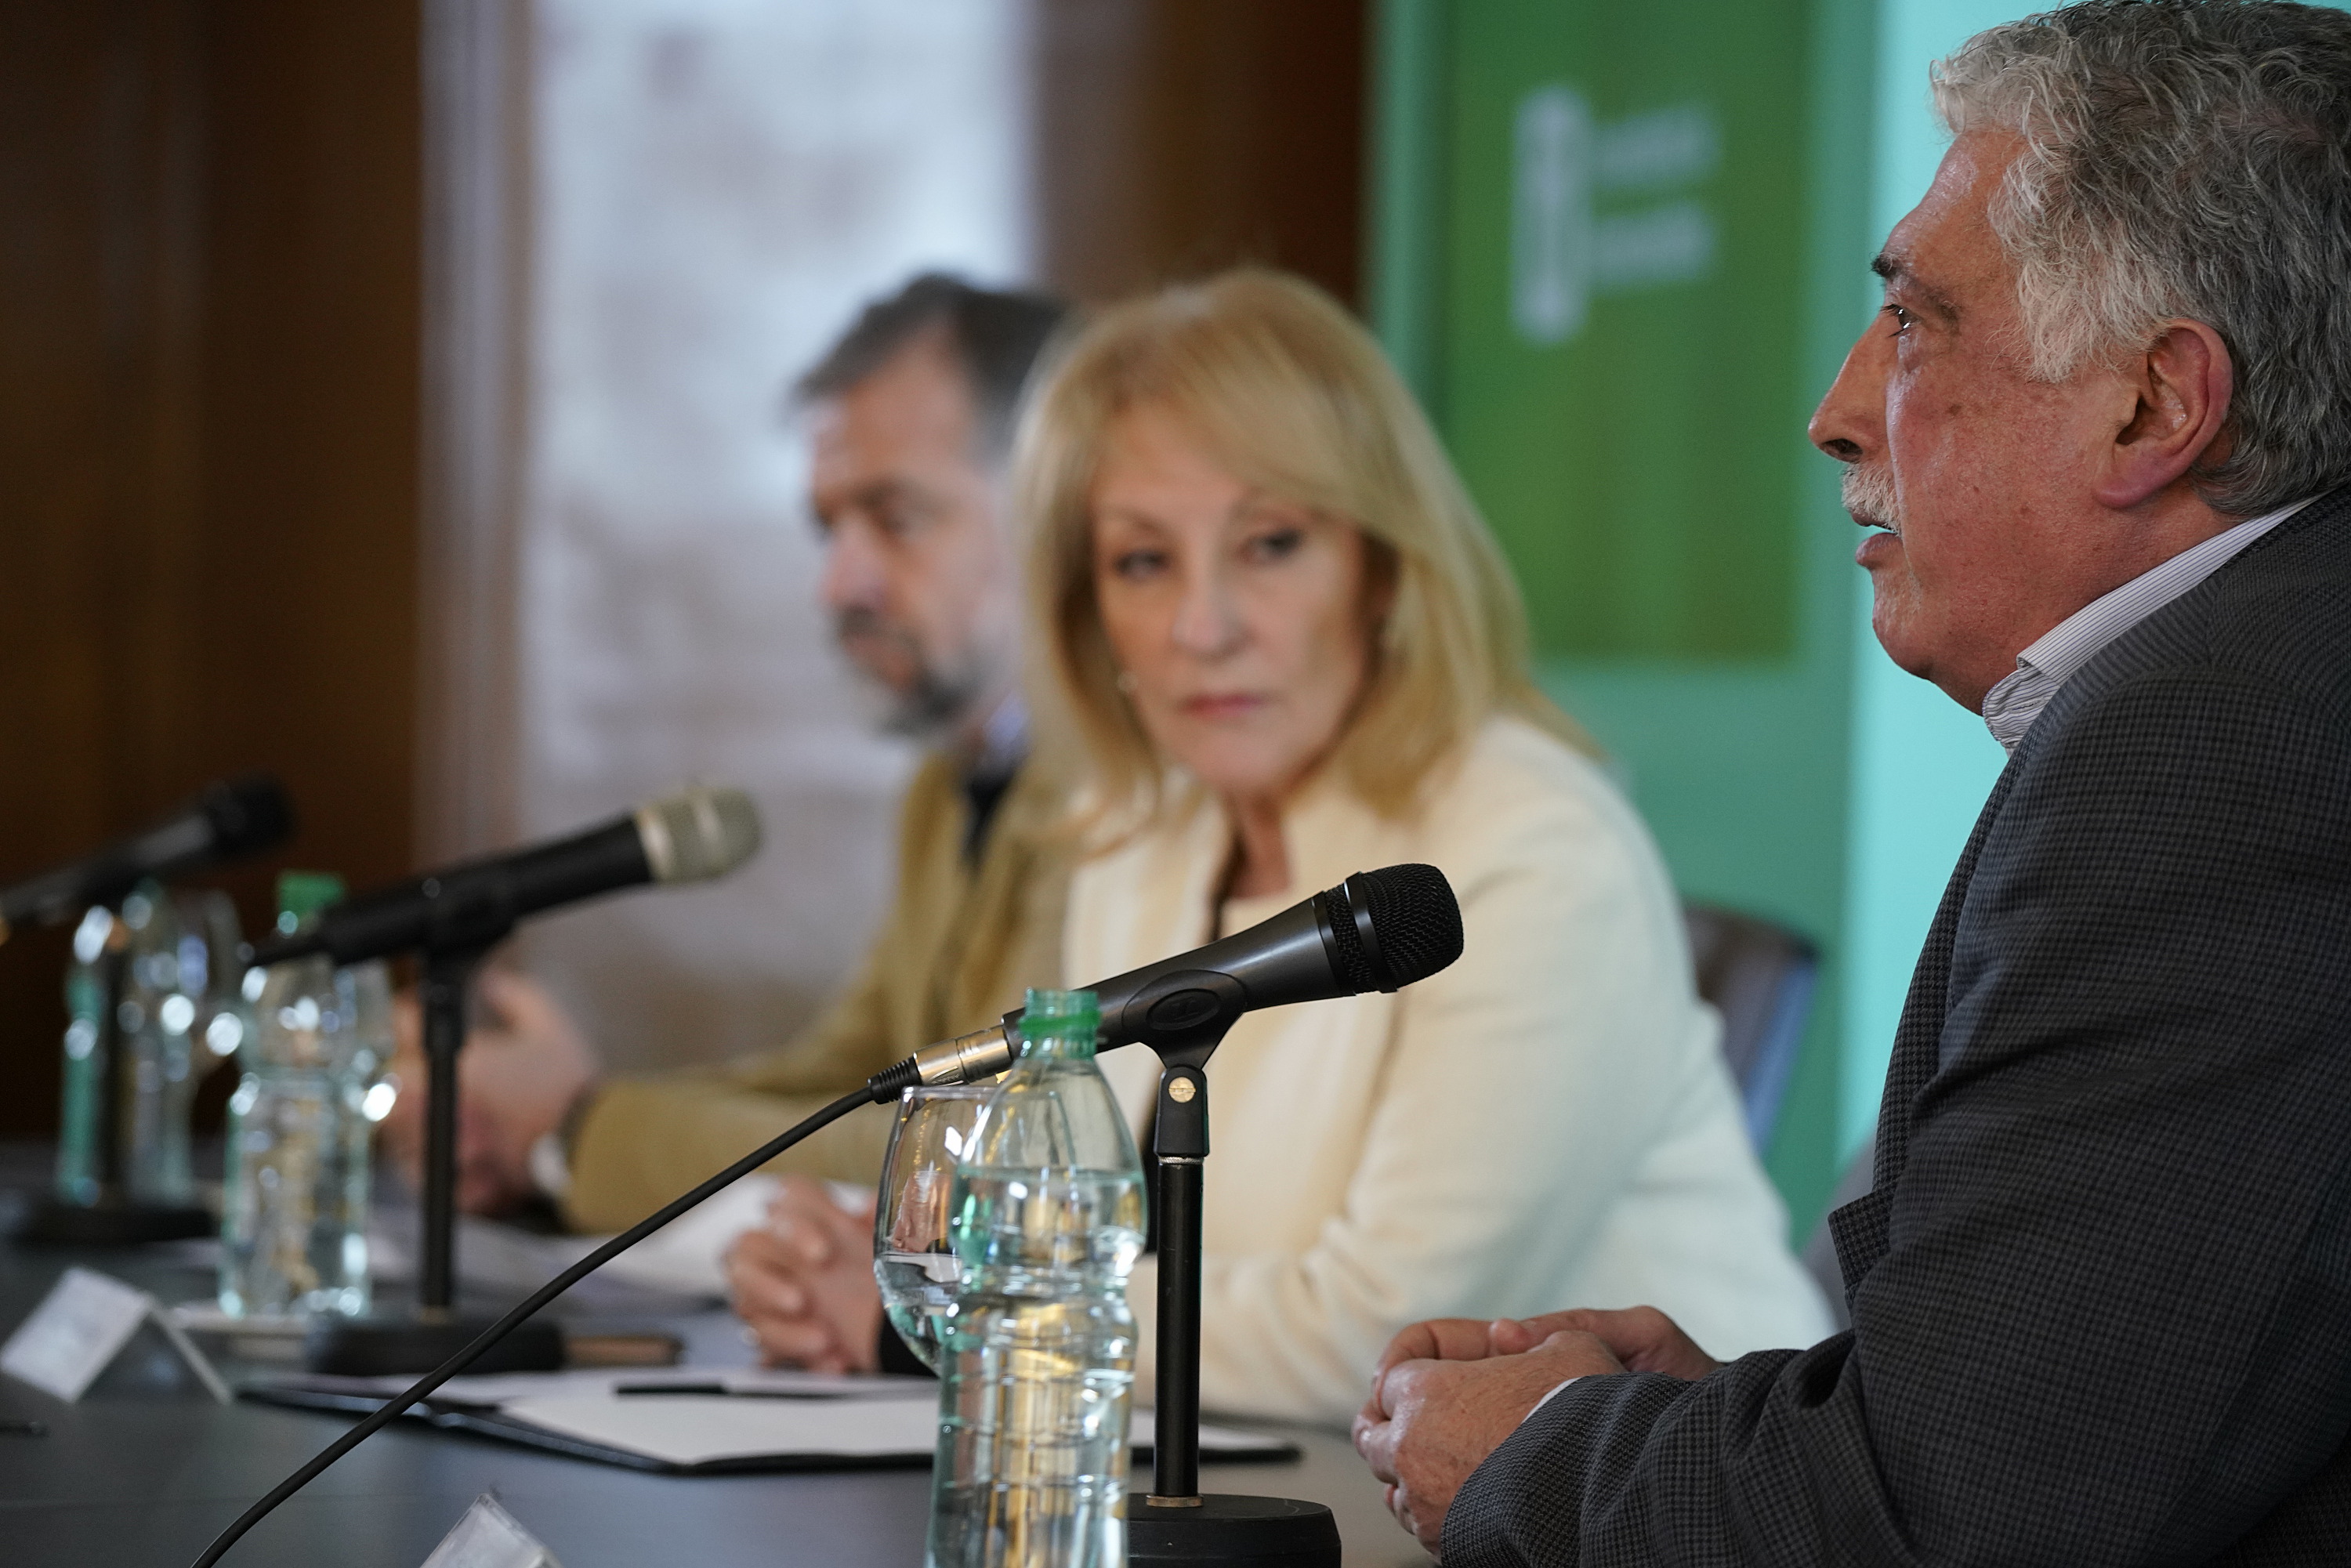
1563 252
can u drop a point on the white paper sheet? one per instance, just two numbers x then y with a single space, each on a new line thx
693 1429
498 1390
761 1414
697 1430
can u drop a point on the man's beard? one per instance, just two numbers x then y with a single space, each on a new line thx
935 702
1869 494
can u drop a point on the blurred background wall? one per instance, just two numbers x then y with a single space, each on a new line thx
710 188
209 418
393 399
715 186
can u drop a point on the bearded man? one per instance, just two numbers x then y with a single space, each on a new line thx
911 415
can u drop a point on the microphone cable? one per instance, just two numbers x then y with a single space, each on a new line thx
882 1086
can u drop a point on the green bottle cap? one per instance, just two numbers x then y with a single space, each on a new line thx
1062 1014
302 893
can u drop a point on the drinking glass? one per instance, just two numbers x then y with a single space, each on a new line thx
914 1245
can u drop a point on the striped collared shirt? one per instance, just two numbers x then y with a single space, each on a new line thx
2010 706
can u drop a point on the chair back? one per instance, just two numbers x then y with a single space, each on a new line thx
1759 976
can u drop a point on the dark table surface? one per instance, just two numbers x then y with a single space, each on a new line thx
147 1477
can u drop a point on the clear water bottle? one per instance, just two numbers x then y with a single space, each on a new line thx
150 982
183 949
294 1220
91 980
1038 1360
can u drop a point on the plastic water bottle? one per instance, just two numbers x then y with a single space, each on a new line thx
148 982
182 949
88 999
1036 1368
294 1220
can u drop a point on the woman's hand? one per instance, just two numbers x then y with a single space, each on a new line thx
803 1283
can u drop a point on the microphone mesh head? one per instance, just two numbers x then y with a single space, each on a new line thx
1415 918
698 833
1353 963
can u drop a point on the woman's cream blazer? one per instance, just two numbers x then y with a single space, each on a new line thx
1547 1124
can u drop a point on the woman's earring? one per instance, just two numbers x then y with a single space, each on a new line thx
1126 683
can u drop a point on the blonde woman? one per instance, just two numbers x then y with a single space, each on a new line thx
1290 650
1285 648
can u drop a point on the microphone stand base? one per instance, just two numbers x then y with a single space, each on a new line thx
52 1223
1247 1532
374 1347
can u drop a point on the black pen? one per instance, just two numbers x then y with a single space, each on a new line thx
24 1428
669 1388
721 1388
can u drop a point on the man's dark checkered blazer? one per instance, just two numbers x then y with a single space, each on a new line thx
2102 1292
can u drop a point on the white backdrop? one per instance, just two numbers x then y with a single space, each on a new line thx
717 184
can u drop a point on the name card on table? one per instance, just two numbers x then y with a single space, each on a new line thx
81 1326
490 1537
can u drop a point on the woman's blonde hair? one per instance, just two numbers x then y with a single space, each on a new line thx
1293 398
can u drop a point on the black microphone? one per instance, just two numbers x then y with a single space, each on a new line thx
687 837
1376 931
231 818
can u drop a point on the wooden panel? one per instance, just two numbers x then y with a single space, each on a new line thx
209 238
208 278
1178 136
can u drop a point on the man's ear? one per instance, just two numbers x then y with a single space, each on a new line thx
2181 386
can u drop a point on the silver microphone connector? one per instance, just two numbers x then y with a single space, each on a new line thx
972 1058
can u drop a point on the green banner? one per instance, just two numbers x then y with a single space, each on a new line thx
1621 343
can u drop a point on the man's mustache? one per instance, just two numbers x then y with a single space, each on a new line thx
1870 497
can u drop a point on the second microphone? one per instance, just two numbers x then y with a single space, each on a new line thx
687 837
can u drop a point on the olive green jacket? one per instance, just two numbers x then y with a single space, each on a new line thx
960 942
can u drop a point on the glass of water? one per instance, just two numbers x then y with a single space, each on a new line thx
913 1241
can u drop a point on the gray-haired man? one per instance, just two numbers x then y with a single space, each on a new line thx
2101 1294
